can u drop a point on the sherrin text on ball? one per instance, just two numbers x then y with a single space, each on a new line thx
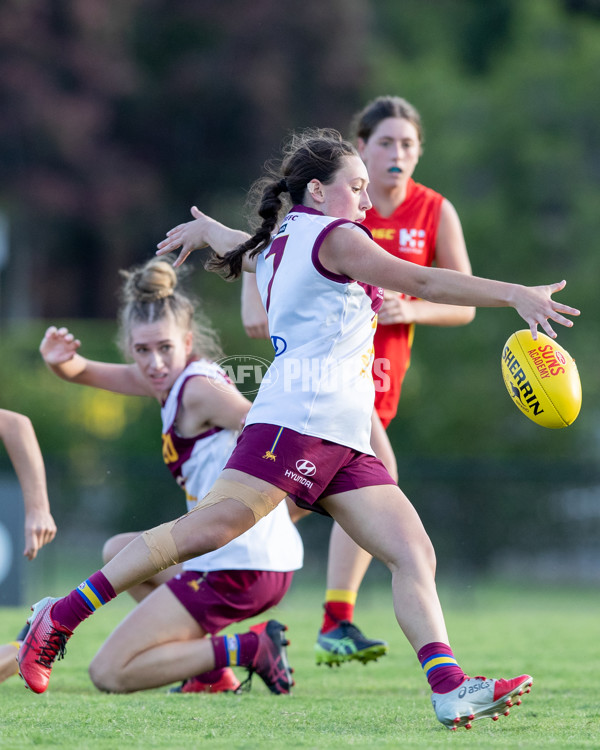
542 379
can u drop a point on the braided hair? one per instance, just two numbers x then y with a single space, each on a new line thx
314 154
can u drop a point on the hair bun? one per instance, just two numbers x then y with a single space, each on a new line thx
153 281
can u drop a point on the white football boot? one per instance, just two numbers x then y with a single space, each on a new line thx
478 698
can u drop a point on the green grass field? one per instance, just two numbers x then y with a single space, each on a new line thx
496 630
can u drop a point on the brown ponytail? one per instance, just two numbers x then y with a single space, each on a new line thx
314 154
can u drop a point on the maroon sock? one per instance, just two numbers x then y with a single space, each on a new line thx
234 650
83 601
440 667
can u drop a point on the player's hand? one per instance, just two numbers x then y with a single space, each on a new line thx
255 321
189 236
395 309
58 346
258 330
536 306
40 529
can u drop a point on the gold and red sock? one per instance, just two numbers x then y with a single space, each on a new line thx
339 605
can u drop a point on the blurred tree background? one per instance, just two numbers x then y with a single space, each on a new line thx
118 116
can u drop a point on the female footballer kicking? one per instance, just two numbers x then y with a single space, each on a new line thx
307 433
415 223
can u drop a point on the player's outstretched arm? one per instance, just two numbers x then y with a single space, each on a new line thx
353 254
59 350
18 436
203 231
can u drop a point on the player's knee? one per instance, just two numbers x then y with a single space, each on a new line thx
416 553
423 549
105 675
429 553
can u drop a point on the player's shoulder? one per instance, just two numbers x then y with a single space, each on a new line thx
419 192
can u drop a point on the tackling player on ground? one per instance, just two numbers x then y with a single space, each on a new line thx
172 634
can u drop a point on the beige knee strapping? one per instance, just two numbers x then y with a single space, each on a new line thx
161 546
258 502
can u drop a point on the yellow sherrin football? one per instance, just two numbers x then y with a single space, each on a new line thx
542 379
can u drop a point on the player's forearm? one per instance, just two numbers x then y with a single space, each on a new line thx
433 314
26 457
221 238
254 316
359 257
250 293
443 286
72 370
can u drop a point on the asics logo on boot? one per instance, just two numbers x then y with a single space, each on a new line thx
475 688
478 686
341 645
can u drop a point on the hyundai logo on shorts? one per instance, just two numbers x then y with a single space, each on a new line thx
307 468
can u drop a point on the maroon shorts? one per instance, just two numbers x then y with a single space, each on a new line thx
221 597
307 468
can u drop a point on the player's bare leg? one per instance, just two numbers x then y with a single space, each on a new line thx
8 655
111 549
382 520
158 643
213 681
195 533
199 531
8 660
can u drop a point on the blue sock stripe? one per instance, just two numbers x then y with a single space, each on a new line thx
436 656
90 595
438 660
96 592
86 600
